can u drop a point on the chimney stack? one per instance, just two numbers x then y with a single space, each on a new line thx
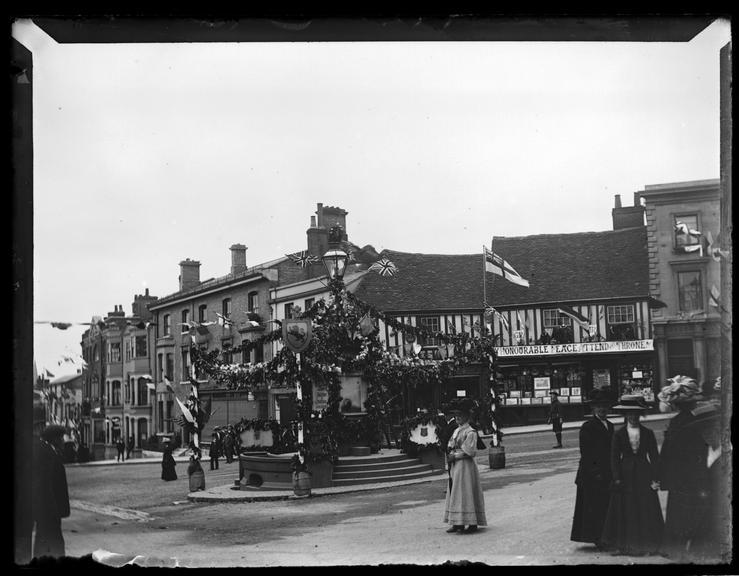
618 200
628 216
189 274
238 258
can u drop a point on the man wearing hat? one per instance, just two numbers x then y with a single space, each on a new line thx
555 418
593 478
633 523
51 497
689 471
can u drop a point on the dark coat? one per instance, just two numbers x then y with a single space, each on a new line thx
634 521
50 492
593 481
555 415
168 464
691 502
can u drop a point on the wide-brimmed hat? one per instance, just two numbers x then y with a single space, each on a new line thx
631 403
681 390
599 397
553 393
460 406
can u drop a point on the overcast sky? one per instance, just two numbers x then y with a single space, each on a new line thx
147 154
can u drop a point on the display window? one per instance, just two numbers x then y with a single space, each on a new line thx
636 378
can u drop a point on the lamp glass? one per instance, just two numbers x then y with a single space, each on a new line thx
335 262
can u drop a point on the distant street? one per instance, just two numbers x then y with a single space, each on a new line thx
529 504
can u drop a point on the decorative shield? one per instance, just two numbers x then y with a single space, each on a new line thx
297 333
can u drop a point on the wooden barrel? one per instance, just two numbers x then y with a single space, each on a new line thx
301 483
496 457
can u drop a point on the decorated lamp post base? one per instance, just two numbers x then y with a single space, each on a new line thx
496 457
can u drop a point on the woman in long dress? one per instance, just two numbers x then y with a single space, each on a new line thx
465 504
168 464
634 521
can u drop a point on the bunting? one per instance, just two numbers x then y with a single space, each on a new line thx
223 320
576 316
303 258
714 251
384 267
682 229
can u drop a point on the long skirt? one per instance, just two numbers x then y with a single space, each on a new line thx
634 522
591 506
465 504
168 473
690 524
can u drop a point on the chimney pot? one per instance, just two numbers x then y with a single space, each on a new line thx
312 221
618 200
238 258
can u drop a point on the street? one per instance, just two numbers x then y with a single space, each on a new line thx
129 510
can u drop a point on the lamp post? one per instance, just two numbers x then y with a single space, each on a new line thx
335 259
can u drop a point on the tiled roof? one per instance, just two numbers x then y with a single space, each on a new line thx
559 268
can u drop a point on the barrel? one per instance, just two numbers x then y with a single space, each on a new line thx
301 483
496 457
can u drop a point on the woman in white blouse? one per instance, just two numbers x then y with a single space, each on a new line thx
465 504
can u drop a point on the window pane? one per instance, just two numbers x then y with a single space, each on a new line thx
202 312
620 314
689 290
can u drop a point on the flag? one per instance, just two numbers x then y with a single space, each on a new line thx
223 321
576 316
384 267
503 319
713 250
495 264
303 258
714 298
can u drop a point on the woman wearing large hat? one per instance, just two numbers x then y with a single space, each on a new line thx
465 504
593 478
633 523
689 472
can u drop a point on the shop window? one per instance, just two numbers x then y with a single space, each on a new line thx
683 224
636 378
202 313
430 323
690 292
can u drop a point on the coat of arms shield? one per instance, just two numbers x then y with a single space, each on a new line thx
297 333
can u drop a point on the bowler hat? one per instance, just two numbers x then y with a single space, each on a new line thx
599 397
631 403
553 393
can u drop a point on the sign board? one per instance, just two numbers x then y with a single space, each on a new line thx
297 333
601 378
320 397
576 348
461 393
541 383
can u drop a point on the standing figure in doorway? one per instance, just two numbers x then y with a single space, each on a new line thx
215 449
465 503
129 447
634 521
555 418
593 478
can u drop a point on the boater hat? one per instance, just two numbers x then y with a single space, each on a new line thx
631 403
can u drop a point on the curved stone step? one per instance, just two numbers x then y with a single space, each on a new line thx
371 459
375 465
382 479
382 472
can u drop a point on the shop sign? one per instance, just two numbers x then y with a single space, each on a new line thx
320 397
541 383
576 348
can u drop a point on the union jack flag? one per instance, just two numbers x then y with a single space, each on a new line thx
302 258
384 267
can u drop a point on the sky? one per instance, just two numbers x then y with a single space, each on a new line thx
147 154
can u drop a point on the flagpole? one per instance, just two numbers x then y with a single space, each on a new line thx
484 275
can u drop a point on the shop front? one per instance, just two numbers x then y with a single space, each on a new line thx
526 376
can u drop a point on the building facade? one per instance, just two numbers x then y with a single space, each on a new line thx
683 227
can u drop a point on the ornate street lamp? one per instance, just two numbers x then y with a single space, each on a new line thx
335 259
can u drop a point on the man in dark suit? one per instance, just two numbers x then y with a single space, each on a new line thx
594 472
51 497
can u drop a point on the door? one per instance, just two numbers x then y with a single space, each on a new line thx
285 408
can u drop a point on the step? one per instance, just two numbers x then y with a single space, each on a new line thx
382 479
360 451
375 465
381 472
373 458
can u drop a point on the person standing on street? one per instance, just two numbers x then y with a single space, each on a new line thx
50 493
129 447
121 448
555 418
215 449
593 478
228 446
634 521
688 470
168 464
465 503
195 471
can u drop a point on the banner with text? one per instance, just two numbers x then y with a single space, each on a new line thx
575 348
